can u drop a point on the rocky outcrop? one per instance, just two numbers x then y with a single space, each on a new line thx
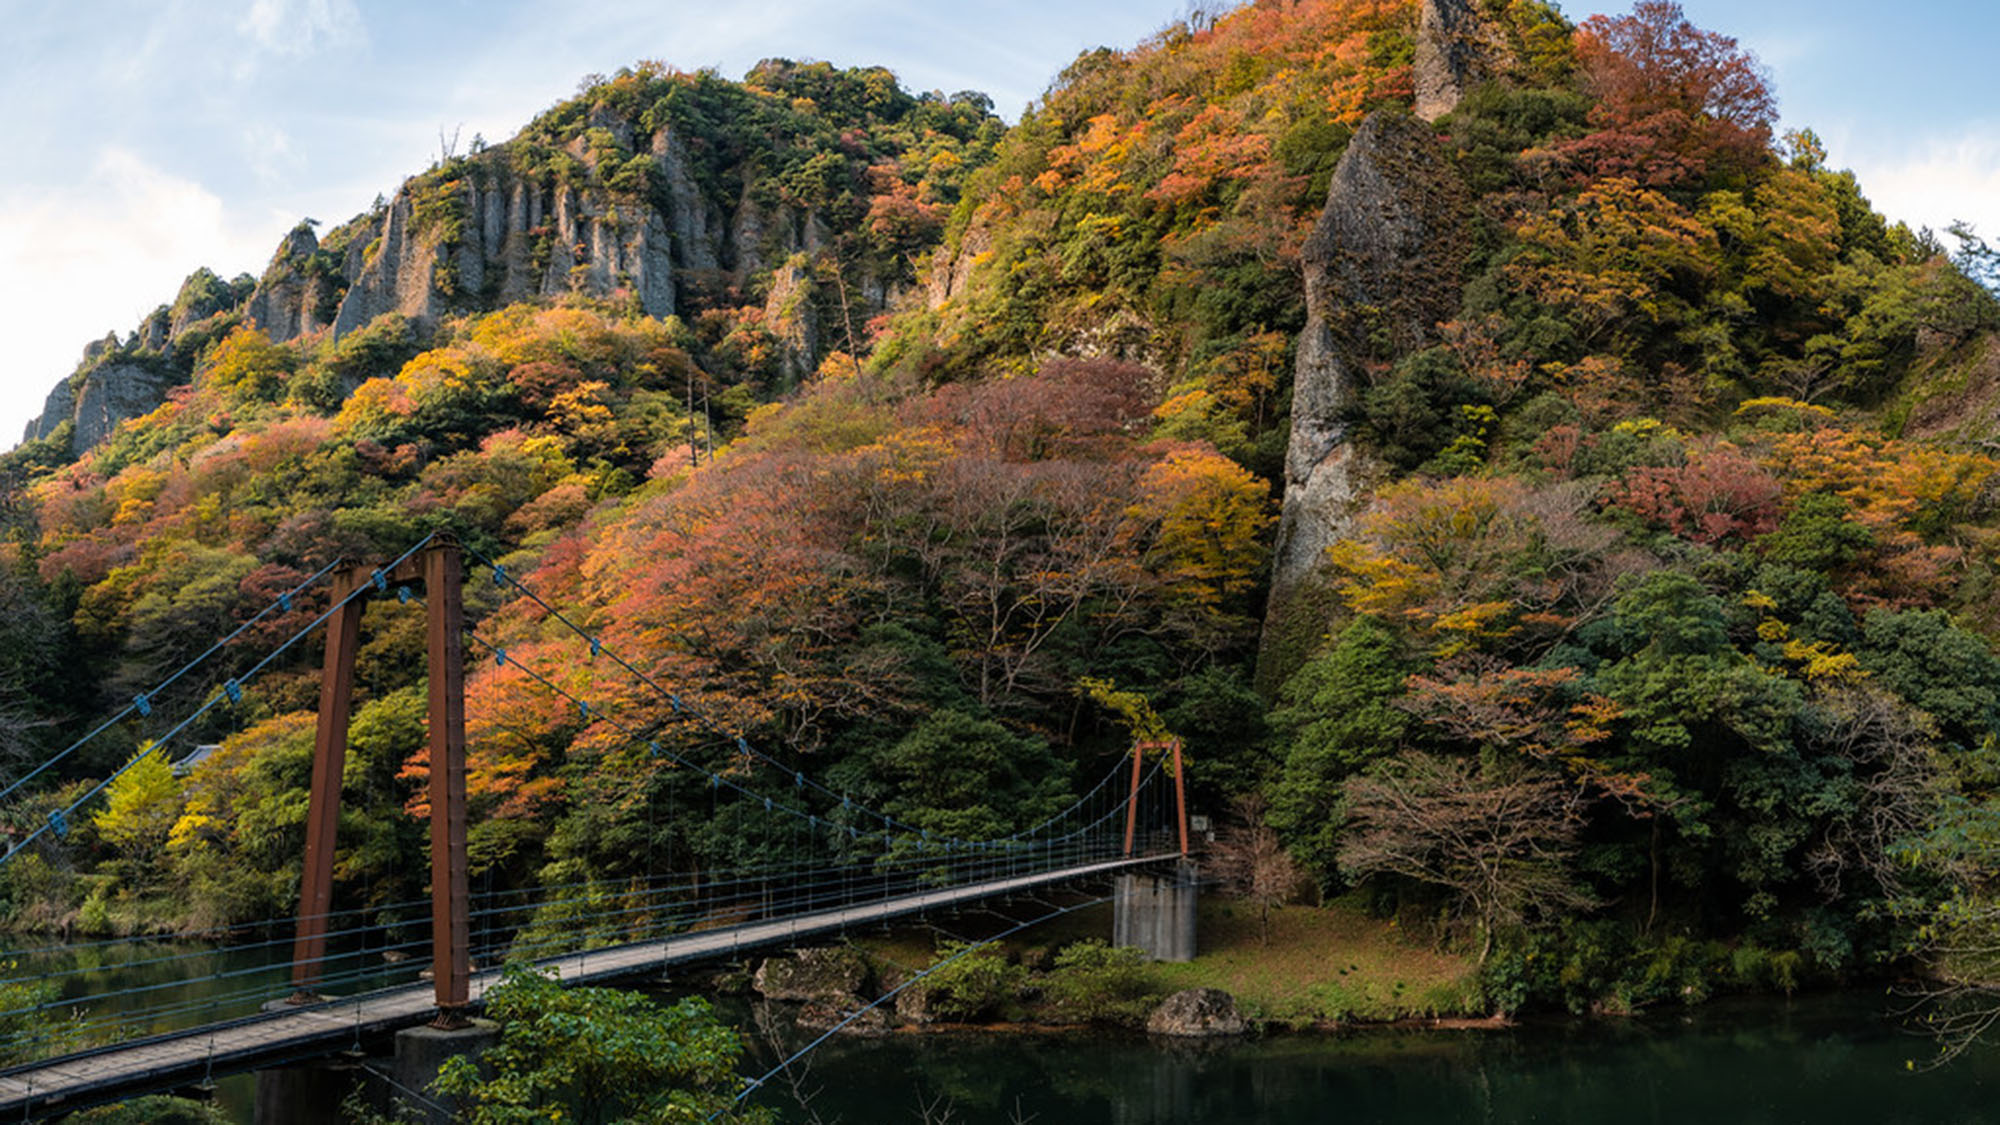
1457 49
291 299
202 295
694 223
808 975
510 224
826 984
110 394
58 408
791 315
1197 1013
1956 397
488 236
1383 267
951 267
913 1005
107 389
850 1016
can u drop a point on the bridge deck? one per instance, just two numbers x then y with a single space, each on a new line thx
176 1059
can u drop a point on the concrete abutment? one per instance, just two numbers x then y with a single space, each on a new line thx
1156 912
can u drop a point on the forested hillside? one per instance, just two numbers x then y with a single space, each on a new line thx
1632 620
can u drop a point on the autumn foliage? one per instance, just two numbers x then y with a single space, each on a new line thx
1663 606
1674 104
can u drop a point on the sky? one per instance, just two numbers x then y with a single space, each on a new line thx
145 138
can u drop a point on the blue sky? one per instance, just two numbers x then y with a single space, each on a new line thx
143 138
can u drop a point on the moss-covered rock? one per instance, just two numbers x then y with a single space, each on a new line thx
827 974
1197 1013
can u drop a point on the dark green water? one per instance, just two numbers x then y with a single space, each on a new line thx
1821 1060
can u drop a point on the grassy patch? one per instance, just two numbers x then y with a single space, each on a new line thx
1321 964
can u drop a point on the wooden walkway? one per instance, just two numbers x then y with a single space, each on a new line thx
166 1062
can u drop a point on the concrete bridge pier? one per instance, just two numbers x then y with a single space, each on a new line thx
421 1052
1156 912
312 1092
307 1093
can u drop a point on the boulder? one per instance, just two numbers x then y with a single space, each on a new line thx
827 974
913 1005
1197 1013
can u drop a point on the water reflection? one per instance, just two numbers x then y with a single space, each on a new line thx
1815 1059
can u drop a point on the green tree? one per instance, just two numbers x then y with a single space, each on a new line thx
961 775
967 982
595 1056
1335 716
1948 672
140 807
25 1030
1098 983
156 1109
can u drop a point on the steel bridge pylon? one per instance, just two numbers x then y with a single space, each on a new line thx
1157 913
438 568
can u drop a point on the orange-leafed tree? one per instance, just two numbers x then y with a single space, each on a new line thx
1469 563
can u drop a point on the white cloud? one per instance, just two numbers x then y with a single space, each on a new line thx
98 256
1938 179
269 152
300 27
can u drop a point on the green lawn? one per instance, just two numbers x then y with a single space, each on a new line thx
1321 964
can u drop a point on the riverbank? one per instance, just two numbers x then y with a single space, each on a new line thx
1300 967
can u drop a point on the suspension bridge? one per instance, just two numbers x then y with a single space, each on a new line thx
342 979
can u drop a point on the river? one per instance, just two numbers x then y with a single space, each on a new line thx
1825 1059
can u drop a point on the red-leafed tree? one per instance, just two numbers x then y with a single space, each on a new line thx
1674 103
1718 494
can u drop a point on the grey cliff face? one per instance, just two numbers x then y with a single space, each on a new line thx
112 393
1383 266
791 313
951 271
503 237
523 240
1456 50
287 299
58 408
111 384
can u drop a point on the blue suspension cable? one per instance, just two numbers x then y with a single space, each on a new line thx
142 703
56 821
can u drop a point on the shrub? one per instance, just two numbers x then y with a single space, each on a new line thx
1098 983
967 982
153 1110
